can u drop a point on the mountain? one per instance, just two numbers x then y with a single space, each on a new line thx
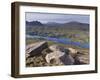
34 23
76 25
68 25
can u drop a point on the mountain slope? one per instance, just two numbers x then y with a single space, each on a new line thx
68 25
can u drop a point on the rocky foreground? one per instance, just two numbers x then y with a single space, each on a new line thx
40 54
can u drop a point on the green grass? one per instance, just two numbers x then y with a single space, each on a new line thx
67 33
30 41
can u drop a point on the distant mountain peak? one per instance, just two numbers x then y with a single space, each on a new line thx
34 23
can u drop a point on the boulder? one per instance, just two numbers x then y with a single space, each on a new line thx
82 59
36 48
53 55
72 52
54 47
67 60
58 57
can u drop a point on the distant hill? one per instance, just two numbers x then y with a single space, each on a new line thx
34 23
67 25
77 25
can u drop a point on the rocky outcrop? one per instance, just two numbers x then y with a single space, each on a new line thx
60 56
35 49
72 52
40 54
81 59
54 55
70 56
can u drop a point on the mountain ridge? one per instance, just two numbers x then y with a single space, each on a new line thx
67 25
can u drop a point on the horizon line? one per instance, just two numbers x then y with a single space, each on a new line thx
57 22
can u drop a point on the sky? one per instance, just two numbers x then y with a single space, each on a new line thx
56 17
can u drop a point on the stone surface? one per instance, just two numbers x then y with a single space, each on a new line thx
72 52
36 48
82 59
67 60
60 55
54 55
54 47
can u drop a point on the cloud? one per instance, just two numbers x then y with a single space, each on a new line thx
53 17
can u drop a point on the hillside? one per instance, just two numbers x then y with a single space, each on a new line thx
68 25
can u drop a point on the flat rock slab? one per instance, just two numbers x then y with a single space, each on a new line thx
36 48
